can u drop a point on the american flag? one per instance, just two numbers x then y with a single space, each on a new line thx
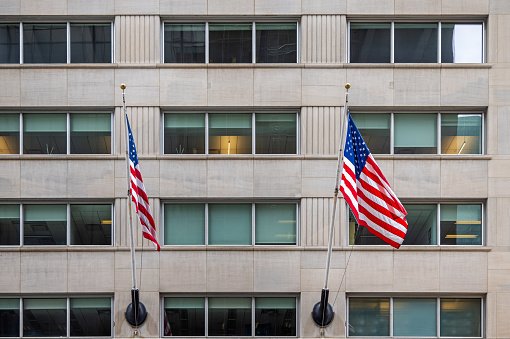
368 193
139 194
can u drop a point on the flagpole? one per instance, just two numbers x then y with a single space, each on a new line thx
323 312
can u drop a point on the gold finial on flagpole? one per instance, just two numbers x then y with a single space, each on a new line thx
347 85
123 86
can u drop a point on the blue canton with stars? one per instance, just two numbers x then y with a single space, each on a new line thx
132 149
355 148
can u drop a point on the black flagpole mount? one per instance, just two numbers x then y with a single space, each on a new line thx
136 314
322 312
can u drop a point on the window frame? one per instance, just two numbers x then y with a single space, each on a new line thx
68 221
68 311
438 205
222 21
438 114
417 296
223 295
252 220
253 131
392 22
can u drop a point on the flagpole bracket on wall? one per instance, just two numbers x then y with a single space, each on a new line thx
322 312
136 314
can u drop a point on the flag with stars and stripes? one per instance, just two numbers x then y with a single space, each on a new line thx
139 194
368 193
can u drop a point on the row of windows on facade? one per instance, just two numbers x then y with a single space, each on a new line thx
225 224
244 316
240 133
248 42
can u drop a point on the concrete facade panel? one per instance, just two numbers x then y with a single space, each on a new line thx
371 87
503 126
277 178
502 311
230 7
90 179
463 272
386 7
417 87
191 268
465 6
501 222
364 274
323 6
142 87
100 277
416 178
10 7
282 7
416 271
464 87
183 87
10 279
10 179
463 179
10 87
229 271
44 273
180 178
123 7
92 7
194 7
91 85
429 7
274 87
47 178
276 271
230 87
43 87
322 87
43 7
230 178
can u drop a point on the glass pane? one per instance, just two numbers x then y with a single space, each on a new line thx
461 133
375 129
370 42
91 43
230 43
415 134
91 317
369 317
461 43
230 134
422 225
44 133
415 42
461 317
461 224
184 317
91 224
184 224
91 133
275 224
229 224
44 318
44 43
9 224
414 317
275 317
184 43
45 224
230 316
184 133
275 133
276 42
9 318
9 133
9 43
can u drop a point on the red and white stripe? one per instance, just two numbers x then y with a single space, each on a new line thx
373 202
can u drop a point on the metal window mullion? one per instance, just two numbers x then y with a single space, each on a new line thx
112 321
252 316
253 44
482 323
162 44
207 42
438 224
162 222
21 317
20 133
21 56
112 39
206 133
298 42
68 43
253 133
347 317
348 43
392 42
112 132
68 134
439 51
68 317
206 226
21 225
483 224
298 133
484 39
253 223
391 316
392 133
206 312
438 134
298 224
112 209
483 134
438 317
68 224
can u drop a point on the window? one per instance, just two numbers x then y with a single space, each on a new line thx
48 224
416 42
414 317
459 224
230 223
420 133
48 133
229 316
56 43
230 133
244 42
52 317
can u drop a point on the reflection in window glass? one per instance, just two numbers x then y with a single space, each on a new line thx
360 235
9 318
375 129
184 224
414 317
275 224
460 317
275 133
461 43
230 316
461 133
44 133
91 133
44 43
91 224
90 317
370 42
230 43
230 134
369 317
422 225
45 224
184 43
416 42
91 43
9 133
415 134
275 317
184 317
461 224
9 43
184 133
9 225
230 224
276 42
44 317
